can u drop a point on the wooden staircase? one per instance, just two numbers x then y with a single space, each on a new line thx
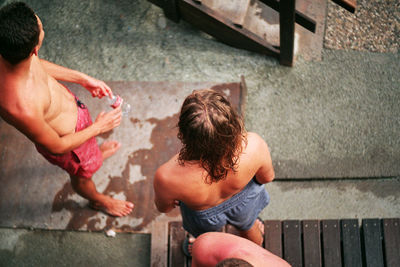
245 24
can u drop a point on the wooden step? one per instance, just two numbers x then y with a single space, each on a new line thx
223 28
235 10
334 242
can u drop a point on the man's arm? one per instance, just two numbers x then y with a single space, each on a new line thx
96 87
34 126
164 198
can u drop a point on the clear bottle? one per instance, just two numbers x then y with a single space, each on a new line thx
116 100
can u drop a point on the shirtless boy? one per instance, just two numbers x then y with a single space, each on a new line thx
219 249
219 174
35 103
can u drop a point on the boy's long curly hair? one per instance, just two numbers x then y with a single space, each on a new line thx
211 132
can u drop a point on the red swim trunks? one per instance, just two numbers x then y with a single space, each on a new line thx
84 160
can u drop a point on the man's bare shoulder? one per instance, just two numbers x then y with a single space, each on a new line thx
19 96
255 142
166 180
18 109
174 175
167 169
17 113
254 154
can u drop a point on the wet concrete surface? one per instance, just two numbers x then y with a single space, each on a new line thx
64 248
332 118
333 199
40 195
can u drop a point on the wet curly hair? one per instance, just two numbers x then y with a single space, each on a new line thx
211 132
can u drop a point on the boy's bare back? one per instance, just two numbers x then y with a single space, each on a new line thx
187 183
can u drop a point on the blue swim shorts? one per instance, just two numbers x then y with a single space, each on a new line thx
241 211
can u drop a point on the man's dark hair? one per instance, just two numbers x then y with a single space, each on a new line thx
211 132
19 32
233 262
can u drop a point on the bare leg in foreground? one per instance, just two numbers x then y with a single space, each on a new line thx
87 189
255 233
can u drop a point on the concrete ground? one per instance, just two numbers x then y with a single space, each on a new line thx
332 126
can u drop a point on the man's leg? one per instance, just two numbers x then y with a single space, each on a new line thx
108 148
255 233
87 189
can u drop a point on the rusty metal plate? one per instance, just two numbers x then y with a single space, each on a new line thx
34 193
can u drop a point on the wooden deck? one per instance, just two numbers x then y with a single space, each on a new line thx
341 242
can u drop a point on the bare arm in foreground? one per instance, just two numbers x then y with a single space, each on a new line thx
213 247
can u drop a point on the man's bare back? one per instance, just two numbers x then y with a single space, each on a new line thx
188 184
34 102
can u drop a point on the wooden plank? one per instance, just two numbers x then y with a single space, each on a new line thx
349 5
223 29
292 251
235 10
311 243
176 237
264 22
300 18
286 31
391 237
273 237
159 244
351 243
372 237
332 256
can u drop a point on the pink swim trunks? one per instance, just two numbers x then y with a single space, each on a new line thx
84 160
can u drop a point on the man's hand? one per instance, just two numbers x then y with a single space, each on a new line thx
107 121
96 87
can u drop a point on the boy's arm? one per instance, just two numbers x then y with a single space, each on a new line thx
163 196
96 87
265 173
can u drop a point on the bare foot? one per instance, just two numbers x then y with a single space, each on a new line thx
113 207
255 233
190 245
187 245
108 148
260 226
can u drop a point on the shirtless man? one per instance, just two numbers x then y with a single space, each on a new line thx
219 249
35 103
219 174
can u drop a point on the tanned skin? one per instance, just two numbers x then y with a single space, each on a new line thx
35 103
174 182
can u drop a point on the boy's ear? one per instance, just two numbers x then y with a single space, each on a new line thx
35 50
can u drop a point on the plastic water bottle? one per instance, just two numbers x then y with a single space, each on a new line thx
116 101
